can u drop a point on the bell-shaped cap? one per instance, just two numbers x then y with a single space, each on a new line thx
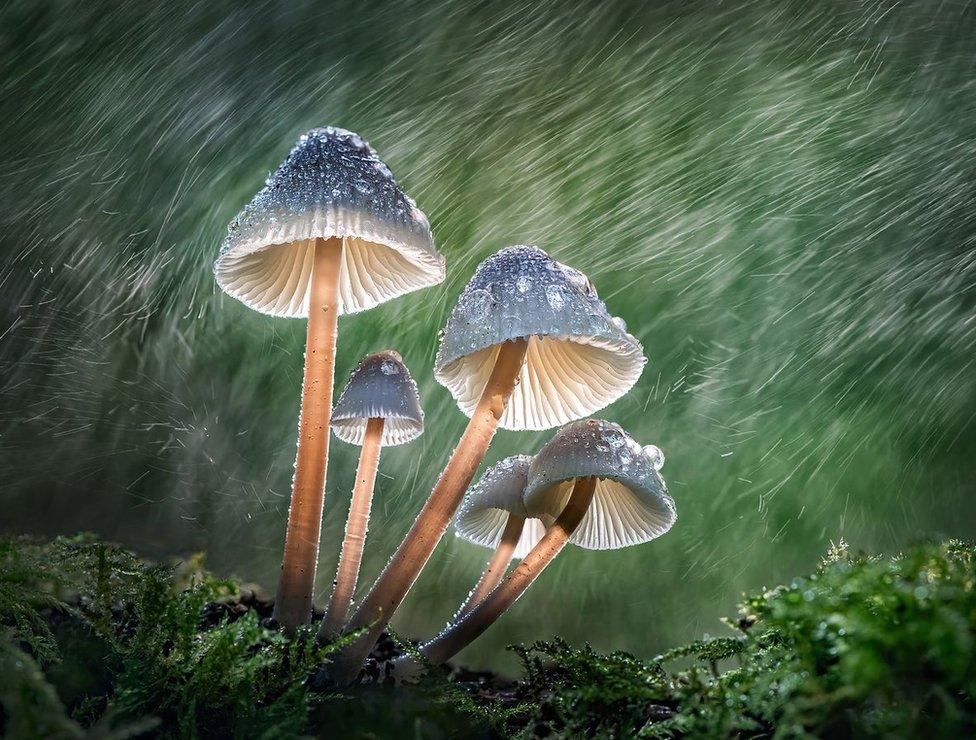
483 514
631 502
579 358
379 387
332 184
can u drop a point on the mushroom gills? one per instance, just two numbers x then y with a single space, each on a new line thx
617 518
562 379
276 279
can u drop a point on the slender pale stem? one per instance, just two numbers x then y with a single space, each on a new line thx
462 633
400 573
293 604
357 524
496 565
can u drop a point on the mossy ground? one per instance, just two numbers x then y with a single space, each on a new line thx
96 642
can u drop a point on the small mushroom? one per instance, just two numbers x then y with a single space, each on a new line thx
493 515
601 490
529 345
379 407
331 232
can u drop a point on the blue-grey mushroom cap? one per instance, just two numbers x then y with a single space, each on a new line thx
631 504
579 358
484 512
380 387
332 184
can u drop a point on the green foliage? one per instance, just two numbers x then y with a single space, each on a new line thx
95 642
29 584
580 691
235 678
30 703
41 585
865 646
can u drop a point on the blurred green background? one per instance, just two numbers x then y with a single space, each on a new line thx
778 197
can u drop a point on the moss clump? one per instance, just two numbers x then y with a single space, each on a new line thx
95 641
866 646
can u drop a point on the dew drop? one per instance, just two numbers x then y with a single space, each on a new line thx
554 295
655 455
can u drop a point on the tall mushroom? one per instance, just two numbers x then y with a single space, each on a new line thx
529 345
493 515
379 407
331 232
601 490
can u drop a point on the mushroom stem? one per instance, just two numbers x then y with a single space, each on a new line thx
356 525
400 573
497 565
462 633
293 604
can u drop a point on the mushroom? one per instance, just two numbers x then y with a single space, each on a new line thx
379 407
601 490
331 232
529 345
493 515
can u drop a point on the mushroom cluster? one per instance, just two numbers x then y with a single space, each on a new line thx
597 488
529 345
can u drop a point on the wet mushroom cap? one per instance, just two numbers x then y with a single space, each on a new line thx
579 358
332 184
631 504
380 387
488 504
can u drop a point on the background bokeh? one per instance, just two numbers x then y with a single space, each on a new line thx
779 198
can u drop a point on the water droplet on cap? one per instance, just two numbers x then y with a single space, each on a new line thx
554 295
655 455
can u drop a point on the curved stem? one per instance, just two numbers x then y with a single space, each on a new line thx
357 524
462 633
396 579
293 604
496 565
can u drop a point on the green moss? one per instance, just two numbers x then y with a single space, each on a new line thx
76 608
94 641
865 646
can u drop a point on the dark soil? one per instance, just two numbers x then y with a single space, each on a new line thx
485 685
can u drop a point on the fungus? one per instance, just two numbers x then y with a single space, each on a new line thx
529 345
379 407
331 232
493 515
601 490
